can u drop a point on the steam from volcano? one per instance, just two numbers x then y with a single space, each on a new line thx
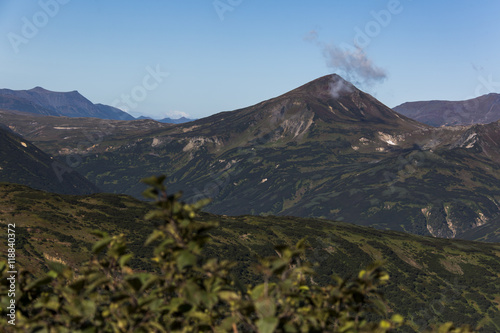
351 62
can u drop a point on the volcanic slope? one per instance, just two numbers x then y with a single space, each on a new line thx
325 149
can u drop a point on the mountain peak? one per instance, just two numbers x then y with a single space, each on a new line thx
40 89
327 86
332 99
323 106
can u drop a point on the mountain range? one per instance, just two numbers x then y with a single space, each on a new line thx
64 104
168 120
480 110
51 103
325 149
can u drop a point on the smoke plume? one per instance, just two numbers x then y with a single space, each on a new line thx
350 62
353 64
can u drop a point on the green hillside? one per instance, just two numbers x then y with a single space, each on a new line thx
432 280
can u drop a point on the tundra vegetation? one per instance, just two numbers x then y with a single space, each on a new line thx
188 291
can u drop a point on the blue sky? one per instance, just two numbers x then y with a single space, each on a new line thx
197 58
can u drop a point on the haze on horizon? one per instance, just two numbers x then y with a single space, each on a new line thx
175 59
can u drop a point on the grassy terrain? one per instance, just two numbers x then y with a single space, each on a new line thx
432 279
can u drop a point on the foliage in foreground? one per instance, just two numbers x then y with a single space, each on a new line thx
191 293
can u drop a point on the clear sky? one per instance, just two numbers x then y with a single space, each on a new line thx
196 58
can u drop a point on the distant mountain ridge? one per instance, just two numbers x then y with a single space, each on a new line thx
168 120
50 103
481 110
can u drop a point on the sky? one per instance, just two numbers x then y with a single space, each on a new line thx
195 58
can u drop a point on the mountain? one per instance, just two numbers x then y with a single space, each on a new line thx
170 120
50 103
481 110
325 149
23 163
110 112
66 136
431 280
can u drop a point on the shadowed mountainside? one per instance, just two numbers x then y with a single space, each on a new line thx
23 163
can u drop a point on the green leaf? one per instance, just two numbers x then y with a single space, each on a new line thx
445 328
101 244
56 266
149 281
228 296
154 214
257 291
154 236
78 284
135 282
267 325
201 203
384 324
154 180
150 193
117 297
398 319
52 303
265 308
125 259
227 324
39 282
185 259
99 233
